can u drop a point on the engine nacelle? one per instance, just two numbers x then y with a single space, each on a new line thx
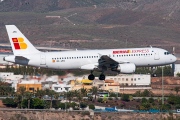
126 68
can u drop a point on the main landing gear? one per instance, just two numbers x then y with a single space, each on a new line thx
102 76
92 77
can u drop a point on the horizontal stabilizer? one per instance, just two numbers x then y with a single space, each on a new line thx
21 58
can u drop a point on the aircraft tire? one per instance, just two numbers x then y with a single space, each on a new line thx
91 77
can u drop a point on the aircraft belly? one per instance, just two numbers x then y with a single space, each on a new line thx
73 64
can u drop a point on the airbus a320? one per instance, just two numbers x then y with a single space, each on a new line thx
119 60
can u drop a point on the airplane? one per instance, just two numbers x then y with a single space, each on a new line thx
119 60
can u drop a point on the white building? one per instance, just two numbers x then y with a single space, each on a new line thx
9 77
54 83
61 87
131 79
56 86
177 69
4 75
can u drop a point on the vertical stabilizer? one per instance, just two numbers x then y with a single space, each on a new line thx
19 43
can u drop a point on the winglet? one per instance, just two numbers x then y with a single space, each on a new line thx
19 43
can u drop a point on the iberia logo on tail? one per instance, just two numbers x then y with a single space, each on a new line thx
19 43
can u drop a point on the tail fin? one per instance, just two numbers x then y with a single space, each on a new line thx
19 43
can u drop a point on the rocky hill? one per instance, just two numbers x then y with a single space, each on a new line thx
167 7
93 23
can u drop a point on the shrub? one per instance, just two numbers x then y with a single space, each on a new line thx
110 98
100 100
83 105
177 106
91 106
131 98
37 103
125 97
61 105
178 74
73 105
144 100
90 98
9 102
112 94
151 100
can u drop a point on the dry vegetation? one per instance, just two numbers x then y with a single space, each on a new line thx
29 115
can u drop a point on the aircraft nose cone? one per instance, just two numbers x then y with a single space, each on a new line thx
174 59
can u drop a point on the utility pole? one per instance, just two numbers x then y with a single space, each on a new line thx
162 87
66 88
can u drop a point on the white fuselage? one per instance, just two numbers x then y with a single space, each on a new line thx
77 59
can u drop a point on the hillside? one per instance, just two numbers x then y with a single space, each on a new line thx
94 23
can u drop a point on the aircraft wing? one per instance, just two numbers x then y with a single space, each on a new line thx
105 60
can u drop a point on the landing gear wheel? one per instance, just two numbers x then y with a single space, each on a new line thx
91 77
102 77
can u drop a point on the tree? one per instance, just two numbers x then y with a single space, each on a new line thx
174 99
100 100
6 89
21 92
50 93
165 107
112 94
69 95
83 105
83 92
178 74
94 91
137 93
130 97
177 106
151 100
61 105
38 103
28 96
40 93
177 89
125 97
144 100
146 93
18 100
9 102
146 105
167 71
143 70
73 105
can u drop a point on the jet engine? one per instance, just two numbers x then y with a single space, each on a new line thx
126 68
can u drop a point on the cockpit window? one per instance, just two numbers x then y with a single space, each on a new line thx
166 53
